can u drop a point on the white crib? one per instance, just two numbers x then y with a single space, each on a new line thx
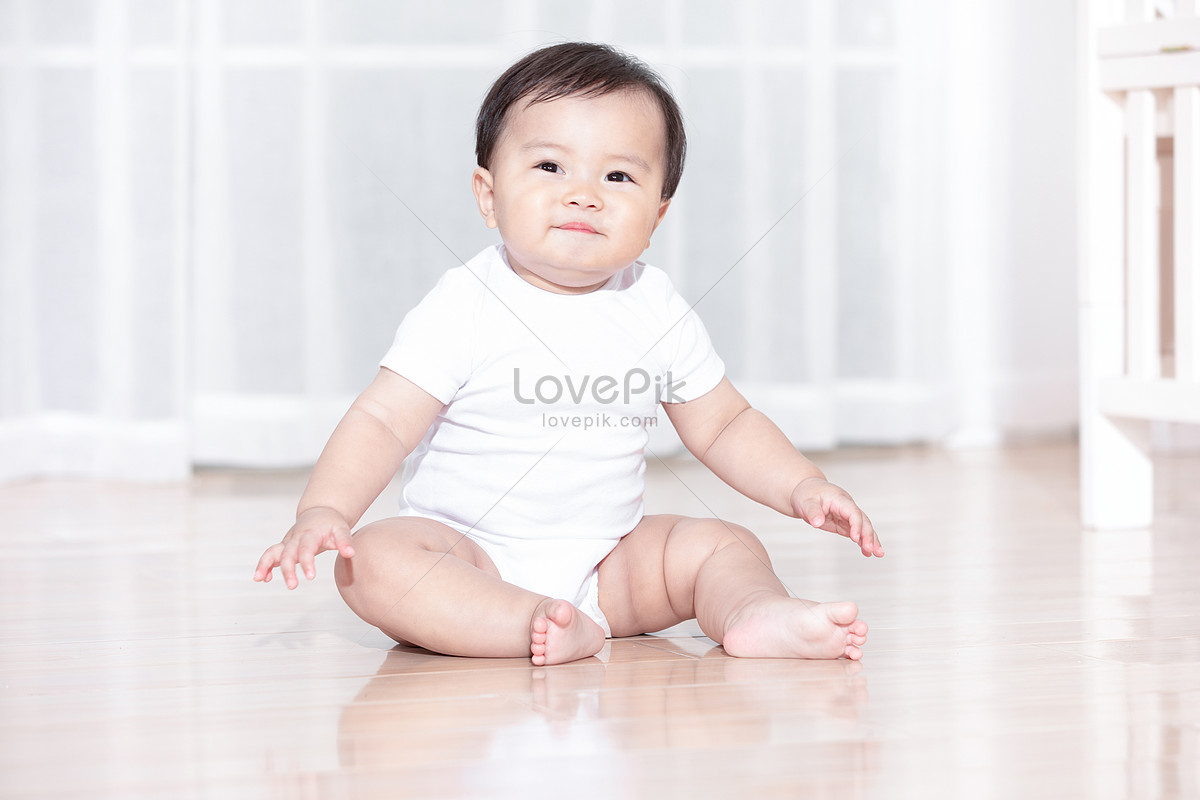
1139 243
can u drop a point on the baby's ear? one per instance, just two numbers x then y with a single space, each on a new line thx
485 195
662 212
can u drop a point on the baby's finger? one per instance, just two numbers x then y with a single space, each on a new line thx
267 562
287 567
871 544
814 513
856 531
850 518
843 519
305 556
342 540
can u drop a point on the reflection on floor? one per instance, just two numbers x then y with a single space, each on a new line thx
1011 655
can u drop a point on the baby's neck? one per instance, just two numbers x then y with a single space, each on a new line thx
535 280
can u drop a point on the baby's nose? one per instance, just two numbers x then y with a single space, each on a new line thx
582 194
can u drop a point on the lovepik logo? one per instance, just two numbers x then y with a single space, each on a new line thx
603 389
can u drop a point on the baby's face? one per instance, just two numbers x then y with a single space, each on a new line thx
575 187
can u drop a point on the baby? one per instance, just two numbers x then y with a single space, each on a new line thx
519 390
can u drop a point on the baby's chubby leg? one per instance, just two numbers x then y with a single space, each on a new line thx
670 569
424 583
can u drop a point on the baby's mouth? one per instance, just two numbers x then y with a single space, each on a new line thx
580 227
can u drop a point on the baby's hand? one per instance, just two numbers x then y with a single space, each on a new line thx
830 508
315 531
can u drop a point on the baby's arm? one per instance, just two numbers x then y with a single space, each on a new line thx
744 448
381 428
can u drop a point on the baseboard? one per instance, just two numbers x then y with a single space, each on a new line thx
273 431
59 445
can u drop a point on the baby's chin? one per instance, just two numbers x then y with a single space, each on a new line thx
568 280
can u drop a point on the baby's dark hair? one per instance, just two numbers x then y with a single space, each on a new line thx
578 69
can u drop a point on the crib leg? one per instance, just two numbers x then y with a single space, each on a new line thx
1116 473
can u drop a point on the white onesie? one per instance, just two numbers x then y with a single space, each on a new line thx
538 452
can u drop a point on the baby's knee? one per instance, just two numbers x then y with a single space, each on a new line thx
738 536
384 546
374 545
719 534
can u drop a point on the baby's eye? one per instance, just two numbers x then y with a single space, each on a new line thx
548 166
618 177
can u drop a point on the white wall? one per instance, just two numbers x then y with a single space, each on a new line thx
1010 216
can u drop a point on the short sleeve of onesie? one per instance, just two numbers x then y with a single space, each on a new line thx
433 345
695 369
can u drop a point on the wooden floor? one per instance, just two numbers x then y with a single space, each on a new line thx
1011 655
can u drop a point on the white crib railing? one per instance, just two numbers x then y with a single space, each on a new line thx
1139 245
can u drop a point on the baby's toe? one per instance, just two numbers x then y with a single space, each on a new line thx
561 613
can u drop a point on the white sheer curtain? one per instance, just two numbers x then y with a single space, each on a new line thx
214 214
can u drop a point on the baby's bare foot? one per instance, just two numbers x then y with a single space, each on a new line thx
559 632
784 627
